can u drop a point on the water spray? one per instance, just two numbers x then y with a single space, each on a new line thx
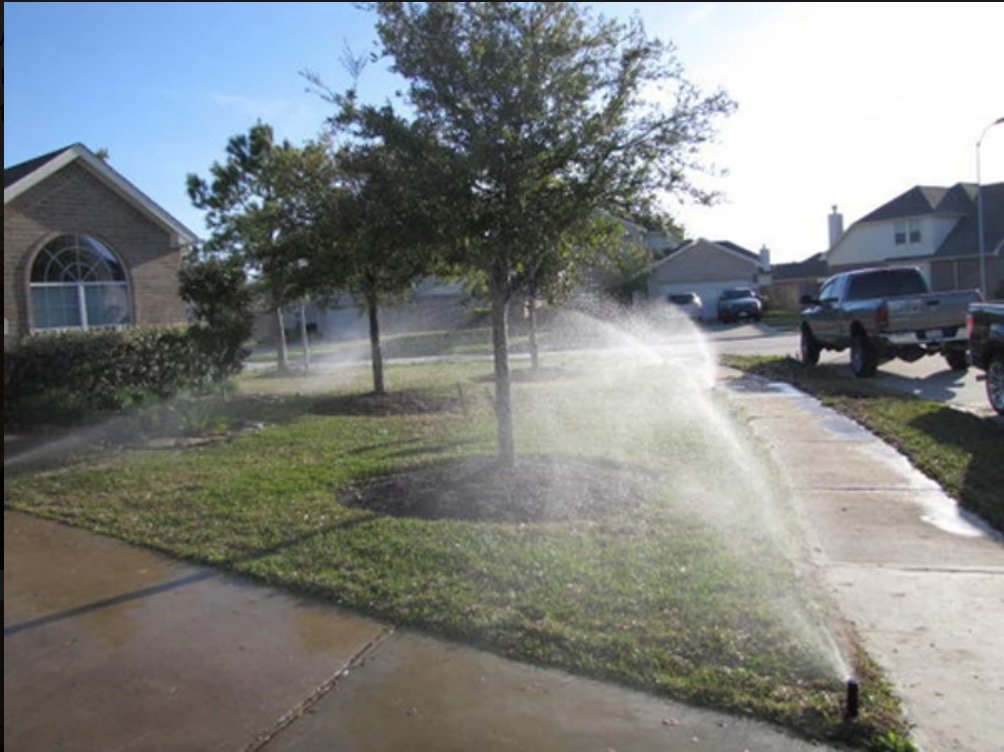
853 700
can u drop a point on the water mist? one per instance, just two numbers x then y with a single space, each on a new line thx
657 372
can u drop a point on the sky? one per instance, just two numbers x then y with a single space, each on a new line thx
839 104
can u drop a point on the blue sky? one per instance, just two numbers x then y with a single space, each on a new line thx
845 104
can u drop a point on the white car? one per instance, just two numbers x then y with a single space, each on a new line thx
688 303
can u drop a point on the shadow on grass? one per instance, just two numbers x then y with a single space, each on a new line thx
983 441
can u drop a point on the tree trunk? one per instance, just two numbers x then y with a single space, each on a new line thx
503 382
304 336
531 312
282 351
376 348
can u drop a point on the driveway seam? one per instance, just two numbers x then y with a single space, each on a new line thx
296 713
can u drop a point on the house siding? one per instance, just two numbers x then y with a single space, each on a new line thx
870 244
704 263
74 201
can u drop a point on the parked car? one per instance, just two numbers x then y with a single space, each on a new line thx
738 303
985 326
688 303
884 313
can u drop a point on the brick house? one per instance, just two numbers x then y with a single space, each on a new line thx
84 248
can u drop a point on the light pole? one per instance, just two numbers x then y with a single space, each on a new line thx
979 210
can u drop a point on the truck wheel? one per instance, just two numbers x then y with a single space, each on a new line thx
864 359
995 383
957 359
809 348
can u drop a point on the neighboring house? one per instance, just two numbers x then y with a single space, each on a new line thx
707 268
933 228
789 282
84 248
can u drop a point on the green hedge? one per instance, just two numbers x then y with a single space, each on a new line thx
64 377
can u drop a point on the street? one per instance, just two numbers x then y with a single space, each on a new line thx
929 377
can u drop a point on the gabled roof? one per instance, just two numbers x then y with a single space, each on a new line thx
963 240
20 178
13 174
722 245
923 201
958 202
729 245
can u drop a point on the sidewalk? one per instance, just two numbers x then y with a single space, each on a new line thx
109 647
922 585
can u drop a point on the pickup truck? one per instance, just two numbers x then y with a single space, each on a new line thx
986 348
885 313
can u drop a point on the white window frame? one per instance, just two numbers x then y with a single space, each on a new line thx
80 279
908 232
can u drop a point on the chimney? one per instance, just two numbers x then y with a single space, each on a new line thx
836 220
765 259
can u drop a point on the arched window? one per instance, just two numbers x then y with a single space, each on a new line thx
78 283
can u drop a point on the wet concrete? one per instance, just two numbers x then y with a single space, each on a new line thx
921 582
110 647
436 697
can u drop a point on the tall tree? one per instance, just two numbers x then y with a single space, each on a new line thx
536 118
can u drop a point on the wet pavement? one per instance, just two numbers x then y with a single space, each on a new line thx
111 647
921 584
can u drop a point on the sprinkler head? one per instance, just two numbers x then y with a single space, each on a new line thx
853 699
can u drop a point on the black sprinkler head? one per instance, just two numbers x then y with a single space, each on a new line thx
853 699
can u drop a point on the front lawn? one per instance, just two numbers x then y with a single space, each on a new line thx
623 547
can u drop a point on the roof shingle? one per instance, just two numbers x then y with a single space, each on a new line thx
16 172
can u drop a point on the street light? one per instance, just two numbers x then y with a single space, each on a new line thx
979 210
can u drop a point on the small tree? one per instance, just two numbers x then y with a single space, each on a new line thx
253 210
370 241
221 309
535 118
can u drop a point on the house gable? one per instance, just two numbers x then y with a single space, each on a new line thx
73 193
22 178
704 261
912 228
964 239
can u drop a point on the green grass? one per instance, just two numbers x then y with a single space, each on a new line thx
960 451
686 595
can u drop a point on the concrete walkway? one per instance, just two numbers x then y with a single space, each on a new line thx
108 647
922 585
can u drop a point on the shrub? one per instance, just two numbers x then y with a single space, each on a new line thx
64 377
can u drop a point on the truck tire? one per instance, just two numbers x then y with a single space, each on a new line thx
995 383
809 348
957 359
864 359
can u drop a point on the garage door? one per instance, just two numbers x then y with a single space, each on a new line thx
709 292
